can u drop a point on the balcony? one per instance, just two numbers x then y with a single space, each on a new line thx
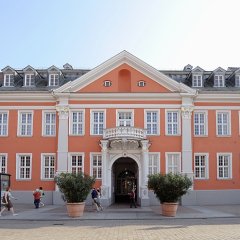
124 132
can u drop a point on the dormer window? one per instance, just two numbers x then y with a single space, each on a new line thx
8 80
53 80
197 80
237 80
29 80
141 83
107 83
219 81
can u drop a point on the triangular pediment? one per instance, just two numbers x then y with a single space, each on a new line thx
198 70
53 69
29 69
8 69
124 61
219 70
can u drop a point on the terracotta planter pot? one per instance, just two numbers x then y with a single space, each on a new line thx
169 209
75 209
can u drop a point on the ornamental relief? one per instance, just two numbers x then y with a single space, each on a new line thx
124 144
187 112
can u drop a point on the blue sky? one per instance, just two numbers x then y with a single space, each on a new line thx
167 34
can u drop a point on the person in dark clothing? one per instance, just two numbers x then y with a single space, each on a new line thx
94 194
132 196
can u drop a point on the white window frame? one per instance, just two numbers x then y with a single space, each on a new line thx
18 159
167 154
229 166
124 111
3 124
206 165
29 79
53 79
5 155
107 83
219 80
228 123
52 125
178 122
154 168
98 154
8 80
146 111
43 155
205 124
197 80
237 80
70 155
20 112
82 123
92 111
141 83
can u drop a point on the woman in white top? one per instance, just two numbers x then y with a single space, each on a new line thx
6 202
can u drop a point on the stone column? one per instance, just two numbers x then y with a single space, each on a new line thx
187 167
105 186
145 164
62 151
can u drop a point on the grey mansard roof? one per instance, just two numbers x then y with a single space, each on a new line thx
69 74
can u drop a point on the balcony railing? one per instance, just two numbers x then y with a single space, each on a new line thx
124 132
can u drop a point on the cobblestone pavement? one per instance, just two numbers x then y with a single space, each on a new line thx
168 229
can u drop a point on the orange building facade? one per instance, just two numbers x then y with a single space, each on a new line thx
120 122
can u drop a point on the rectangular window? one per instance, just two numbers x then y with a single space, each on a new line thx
200 123
77 123
53 79
25 123
76 163
24 163
98 122
197 81
173 122
237 81
223 123
8 80
3 123
96 165
49 123
201 166
224 161
154 163
219 81
125 118
152 122
29 80
173 164
48 166
3 163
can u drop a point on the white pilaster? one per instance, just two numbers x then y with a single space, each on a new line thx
105 186
62 152
145 164
186 110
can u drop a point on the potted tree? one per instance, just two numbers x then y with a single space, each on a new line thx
169 188
75 188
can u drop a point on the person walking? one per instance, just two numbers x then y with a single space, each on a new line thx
132 198
94 198
36 196
41 197
7 202
98 199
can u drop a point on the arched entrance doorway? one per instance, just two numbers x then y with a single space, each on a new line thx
125 177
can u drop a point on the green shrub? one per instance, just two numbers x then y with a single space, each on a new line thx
75 187
169 187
